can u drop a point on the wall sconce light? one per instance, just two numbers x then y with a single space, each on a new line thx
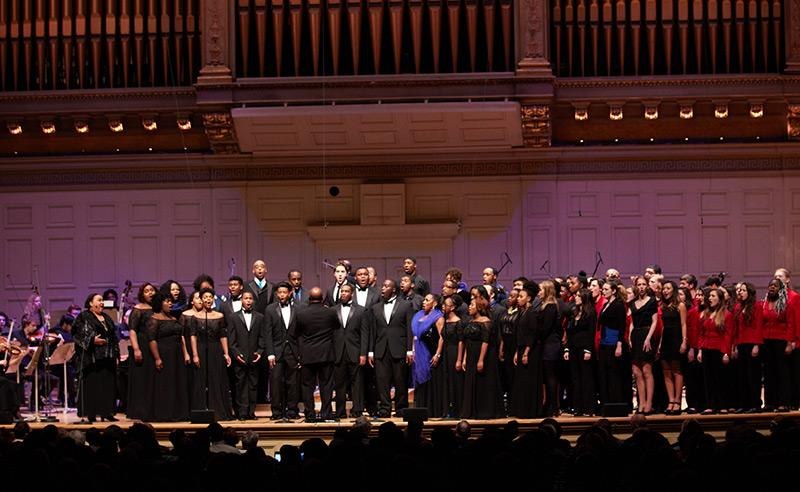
14 128
149 124
581 112
686 112
115 125
721 110
185 124
81 126
615 113
651 111
48 127
756 110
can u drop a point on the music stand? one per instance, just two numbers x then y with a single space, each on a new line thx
61 355
32 369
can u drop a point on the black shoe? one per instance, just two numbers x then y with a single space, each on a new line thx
92 419
292 415
382 414
108 418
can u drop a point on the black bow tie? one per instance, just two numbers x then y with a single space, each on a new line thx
284 305
364 289
390 301
247 311
236 298
347 305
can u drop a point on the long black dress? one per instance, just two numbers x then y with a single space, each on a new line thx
170 400
482 398
96 364
508 334
526 400
140 376
212 367
455 379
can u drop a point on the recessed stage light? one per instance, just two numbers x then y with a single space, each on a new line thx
115 126
81 126
184 124
756 110
615 113
48 127
14 128
651 112
687 112
149 124
721 111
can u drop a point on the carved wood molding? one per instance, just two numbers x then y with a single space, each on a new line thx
216 46
793 122
533 38
221 132
792 30
536 125
224 169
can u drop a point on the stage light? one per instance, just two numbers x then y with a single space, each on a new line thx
48 127
721 111
581 140
115 125
149 124
616 140
185 124
14 128
756 110
615 113
652 139
150 149
81 126
687 112
651 112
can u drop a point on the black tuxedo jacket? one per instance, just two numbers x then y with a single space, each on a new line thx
415 300
315 327
351 339
226 306
263 296
329 299
244 342
393 338
421 286
373 297
281 339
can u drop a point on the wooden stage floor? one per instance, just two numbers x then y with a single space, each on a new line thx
273 434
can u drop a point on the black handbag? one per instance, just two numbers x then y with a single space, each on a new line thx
430 338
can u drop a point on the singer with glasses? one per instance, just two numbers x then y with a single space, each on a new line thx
96 355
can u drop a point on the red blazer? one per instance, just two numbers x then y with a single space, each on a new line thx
744 332
693 327
712 338
778 326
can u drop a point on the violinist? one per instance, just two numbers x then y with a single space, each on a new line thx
30 337
35 311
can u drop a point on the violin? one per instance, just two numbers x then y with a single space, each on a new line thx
11 348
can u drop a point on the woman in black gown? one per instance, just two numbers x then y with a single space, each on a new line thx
453 369
526 399
96 355
507 322
482 399
644 318
170 399
209 341
672 345
141 370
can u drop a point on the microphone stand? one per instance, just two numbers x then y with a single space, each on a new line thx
205 362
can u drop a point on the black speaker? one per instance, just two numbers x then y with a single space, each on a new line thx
614 410
203 417
420 414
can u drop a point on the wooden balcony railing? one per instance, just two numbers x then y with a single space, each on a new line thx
666 37
94 44
353 37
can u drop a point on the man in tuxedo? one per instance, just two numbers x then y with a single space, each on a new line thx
366 296
283 354
247 342
350 344
407 292
363 294
233 302
262 289
490 278
299 294
340 278
421 286
391 347
315 327
373 276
